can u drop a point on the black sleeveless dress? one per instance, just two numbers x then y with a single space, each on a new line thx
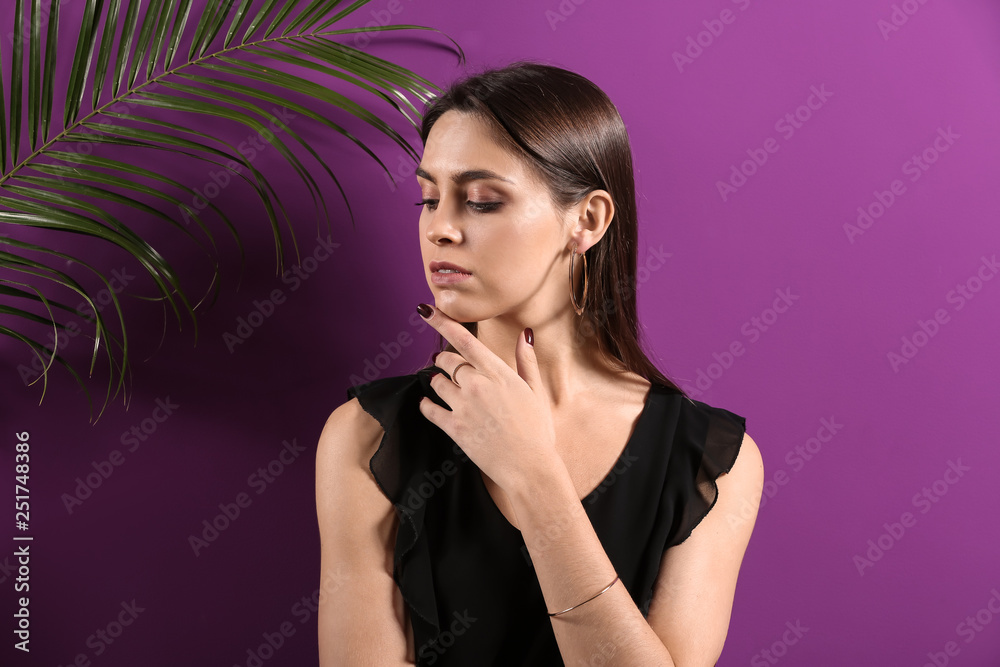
463 569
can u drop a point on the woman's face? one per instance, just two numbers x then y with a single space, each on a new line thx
485 213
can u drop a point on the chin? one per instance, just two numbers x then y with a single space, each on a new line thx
456 313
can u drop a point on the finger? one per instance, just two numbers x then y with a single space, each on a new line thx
444 388
468 346
447 361
527 362
435 414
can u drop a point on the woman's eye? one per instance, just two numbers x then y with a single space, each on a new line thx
484 206
478 206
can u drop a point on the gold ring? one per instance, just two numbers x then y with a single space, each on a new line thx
464 363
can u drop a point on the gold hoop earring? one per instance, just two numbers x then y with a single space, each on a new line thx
572 288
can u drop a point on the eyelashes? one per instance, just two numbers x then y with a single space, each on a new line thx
478 206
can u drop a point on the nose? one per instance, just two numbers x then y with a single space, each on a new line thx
442 224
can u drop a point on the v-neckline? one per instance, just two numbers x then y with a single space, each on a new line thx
640 420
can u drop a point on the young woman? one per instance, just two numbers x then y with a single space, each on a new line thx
540 494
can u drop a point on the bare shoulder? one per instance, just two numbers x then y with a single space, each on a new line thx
746 478
349 434
734 515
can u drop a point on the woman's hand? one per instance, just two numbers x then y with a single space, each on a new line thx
499 418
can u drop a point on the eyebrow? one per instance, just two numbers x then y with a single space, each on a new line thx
460 177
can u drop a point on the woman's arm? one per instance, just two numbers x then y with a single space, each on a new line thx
362 618
694 592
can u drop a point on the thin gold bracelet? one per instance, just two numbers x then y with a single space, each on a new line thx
585 601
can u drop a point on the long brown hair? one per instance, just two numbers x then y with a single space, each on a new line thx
569 133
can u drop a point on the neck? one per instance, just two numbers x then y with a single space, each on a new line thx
570 365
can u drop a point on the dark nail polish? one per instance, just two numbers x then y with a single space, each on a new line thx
529 336
424 310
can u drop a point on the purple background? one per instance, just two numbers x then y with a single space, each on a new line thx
826 358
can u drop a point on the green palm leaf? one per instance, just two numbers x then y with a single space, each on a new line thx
244 60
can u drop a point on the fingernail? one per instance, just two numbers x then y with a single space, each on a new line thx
424 310
529 336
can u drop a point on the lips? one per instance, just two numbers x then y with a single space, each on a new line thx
437 266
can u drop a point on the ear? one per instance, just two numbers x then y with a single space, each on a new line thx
594 215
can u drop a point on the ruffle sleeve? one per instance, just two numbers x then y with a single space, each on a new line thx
706 444
703 442
404 452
